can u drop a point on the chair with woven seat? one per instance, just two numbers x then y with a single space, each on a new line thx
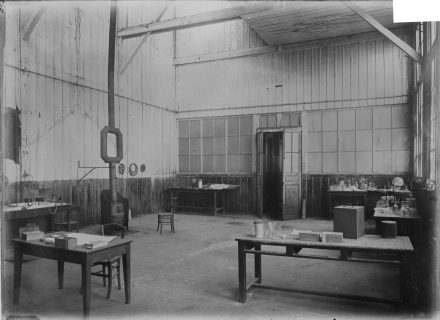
70 222
113 264
167 217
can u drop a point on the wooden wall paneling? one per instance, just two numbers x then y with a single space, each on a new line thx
380 72
330 92
307 78
300 77
322 77
397 73
338 76
278 85
354 75
388 72
346 71
371 71
123 122
285 80
315 83
363 74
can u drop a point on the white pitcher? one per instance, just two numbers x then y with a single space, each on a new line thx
258 228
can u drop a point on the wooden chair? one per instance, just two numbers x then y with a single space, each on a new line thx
167 217
109 266
71 222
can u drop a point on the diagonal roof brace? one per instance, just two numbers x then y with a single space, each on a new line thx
387 33
193 20
144 38
33 21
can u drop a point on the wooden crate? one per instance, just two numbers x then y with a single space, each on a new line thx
349 220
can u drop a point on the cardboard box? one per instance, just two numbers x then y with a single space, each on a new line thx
349 220
32 235
65 242
309 236
332 237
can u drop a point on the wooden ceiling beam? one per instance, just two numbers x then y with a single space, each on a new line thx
144 38
192 21
32 22
387 33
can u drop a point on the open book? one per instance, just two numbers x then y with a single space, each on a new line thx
91 241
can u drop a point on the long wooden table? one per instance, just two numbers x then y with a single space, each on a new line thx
183 194
19 214
77 255
401 247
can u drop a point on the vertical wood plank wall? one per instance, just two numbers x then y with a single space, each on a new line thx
350 72
58 79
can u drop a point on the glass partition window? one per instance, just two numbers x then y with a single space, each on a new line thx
216 145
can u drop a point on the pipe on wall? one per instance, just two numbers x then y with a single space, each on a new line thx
111 91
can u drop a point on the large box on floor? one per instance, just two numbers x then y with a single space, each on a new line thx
349 220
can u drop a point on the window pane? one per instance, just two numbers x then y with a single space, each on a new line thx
183 163
233 145
219 127
194 129
208 164
263 122
285 120
194 163
207 126
246 125
295 119
194 145
272 121
184 129
245 144
219 145
183 147
207 146
233 126
233 163
219 163
245 163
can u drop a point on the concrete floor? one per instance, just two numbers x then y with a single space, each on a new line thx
193 274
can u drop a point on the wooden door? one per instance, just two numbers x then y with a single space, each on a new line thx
291 174
260 168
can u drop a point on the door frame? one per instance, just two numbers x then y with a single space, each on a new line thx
259 171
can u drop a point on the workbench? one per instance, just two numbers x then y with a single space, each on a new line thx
19 214
407 223
400 248
209 198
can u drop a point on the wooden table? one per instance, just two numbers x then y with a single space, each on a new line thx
346 197
406 224
19 214
401 247
77 255
184 193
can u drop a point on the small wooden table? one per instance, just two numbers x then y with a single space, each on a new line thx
401 247
77 255
183 194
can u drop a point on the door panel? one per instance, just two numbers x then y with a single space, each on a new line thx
260 167
292 174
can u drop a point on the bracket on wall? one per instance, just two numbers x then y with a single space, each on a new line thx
88 172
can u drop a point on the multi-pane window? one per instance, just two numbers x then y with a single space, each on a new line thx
363 140
216 145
